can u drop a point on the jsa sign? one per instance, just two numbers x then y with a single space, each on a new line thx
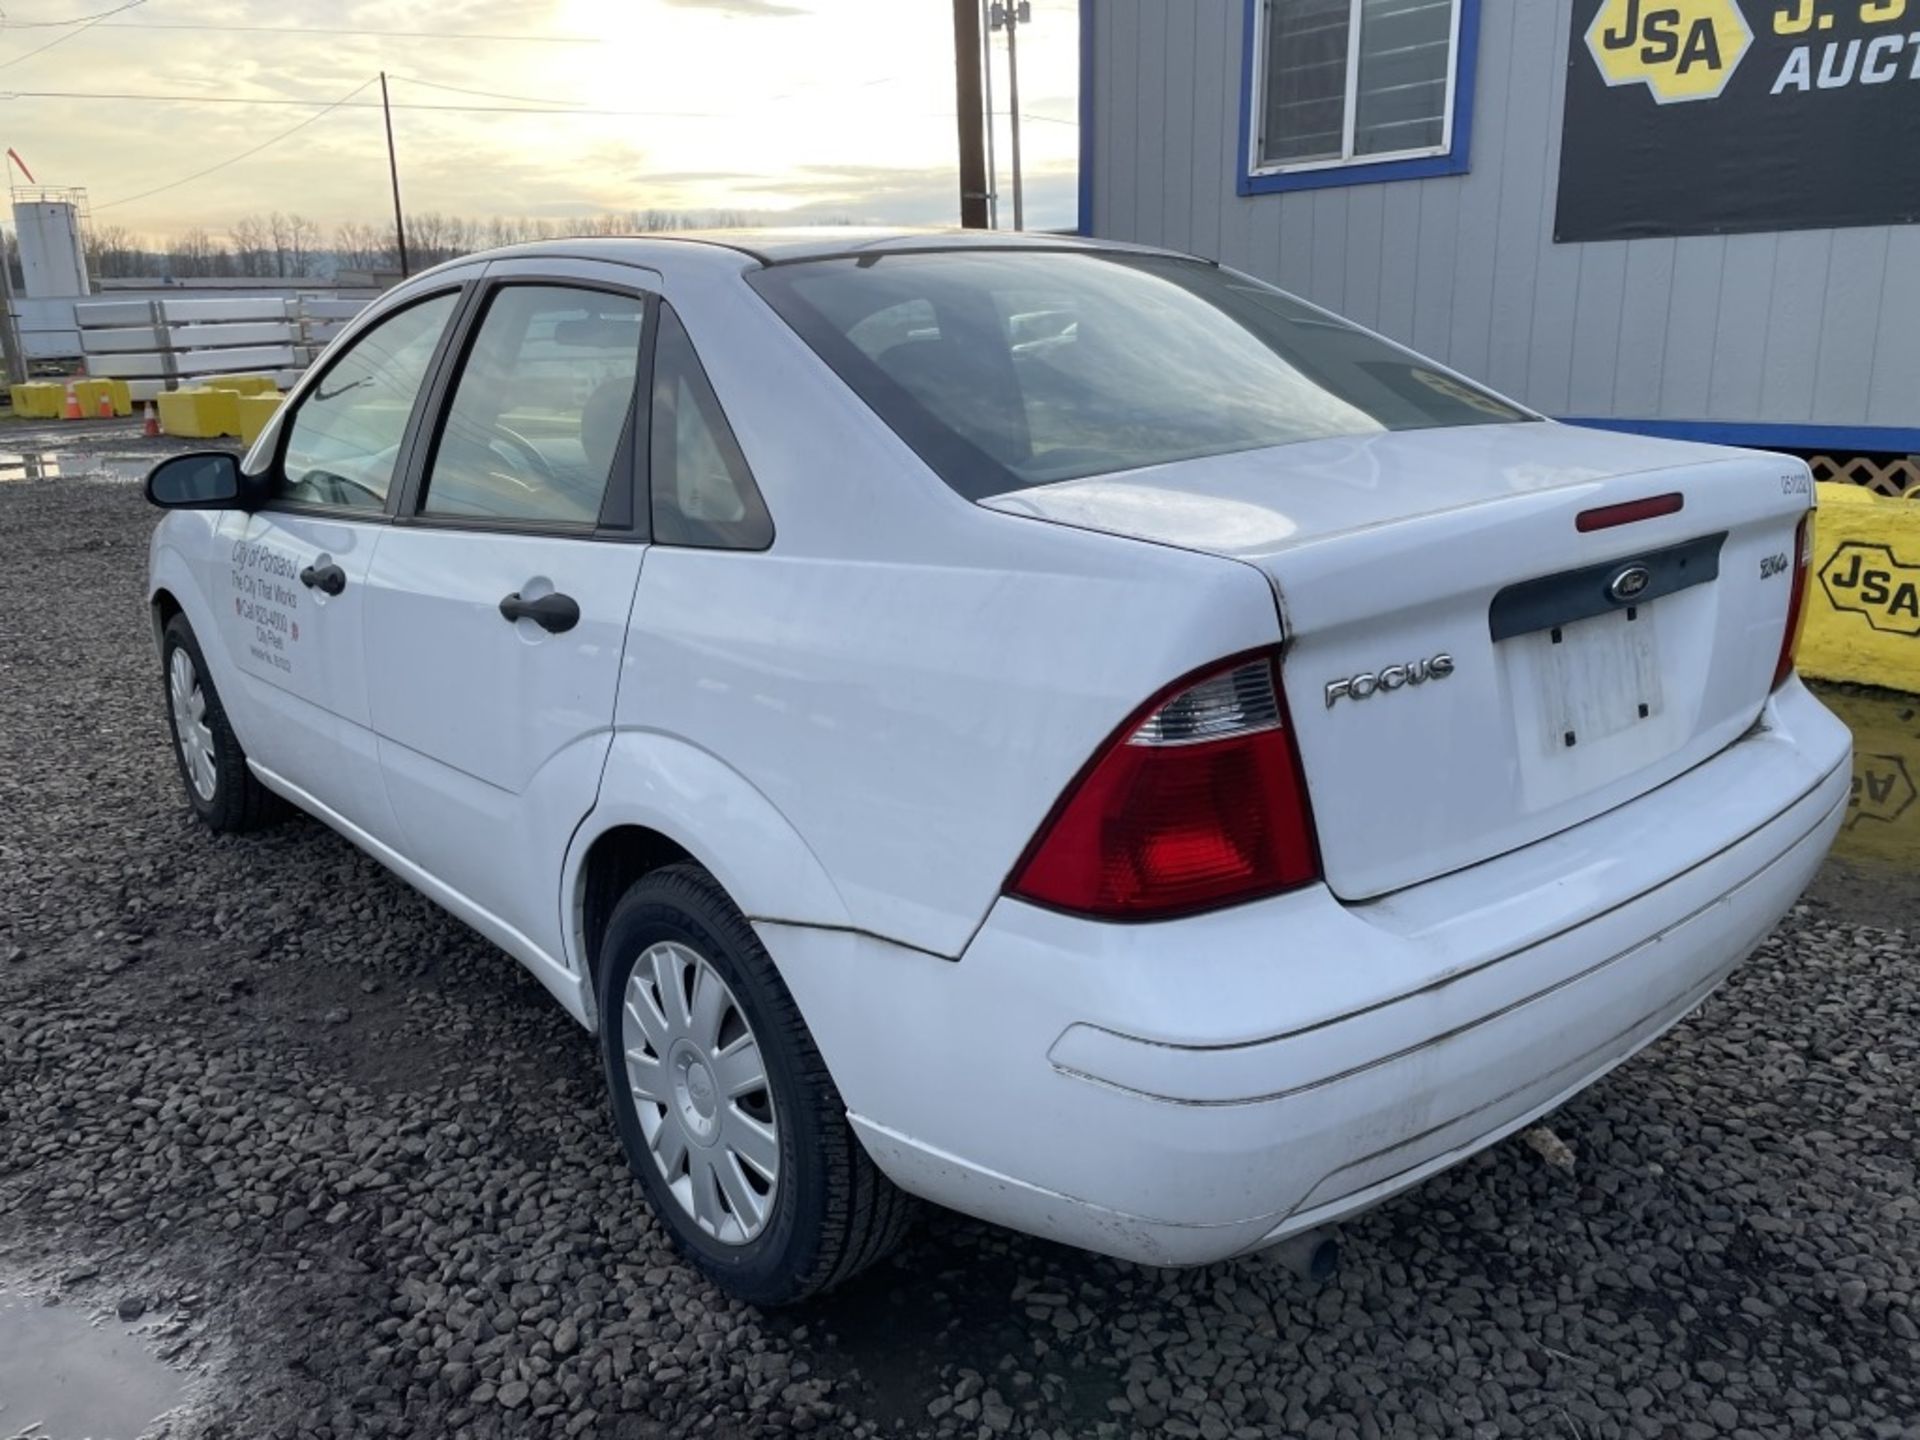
1870 580
1688 117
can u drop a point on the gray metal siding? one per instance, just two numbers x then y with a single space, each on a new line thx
1816 327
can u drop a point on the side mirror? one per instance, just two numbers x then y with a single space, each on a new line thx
204 480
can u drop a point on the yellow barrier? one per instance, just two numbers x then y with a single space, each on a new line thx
89 392
243 384
1863 603
1883 817
199 414
39 400
255 412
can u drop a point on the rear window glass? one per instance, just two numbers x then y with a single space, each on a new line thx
1005 369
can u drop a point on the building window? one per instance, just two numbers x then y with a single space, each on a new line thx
1340 84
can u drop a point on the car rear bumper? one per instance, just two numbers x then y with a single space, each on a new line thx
1180 1092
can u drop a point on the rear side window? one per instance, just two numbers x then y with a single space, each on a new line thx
703 493
1005 369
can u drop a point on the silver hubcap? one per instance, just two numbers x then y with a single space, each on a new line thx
190 722
700 1088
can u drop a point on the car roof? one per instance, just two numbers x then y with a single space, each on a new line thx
783 245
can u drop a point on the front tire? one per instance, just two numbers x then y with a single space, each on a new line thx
726 1110
213 767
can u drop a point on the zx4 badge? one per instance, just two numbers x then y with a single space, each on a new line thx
1679 49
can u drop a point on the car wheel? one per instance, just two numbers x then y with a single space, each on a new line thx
213 767
727 1112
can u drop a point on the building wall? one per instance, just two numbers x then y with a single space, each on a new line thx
1758 336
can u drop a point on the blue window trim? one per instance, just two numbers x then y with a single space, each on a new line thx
1454 162
1085 225
1890 439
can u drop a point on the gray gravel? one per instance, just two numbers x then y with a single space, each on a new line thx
356 1167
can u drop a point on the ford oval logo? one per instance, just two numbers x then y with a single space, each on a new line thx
1630 583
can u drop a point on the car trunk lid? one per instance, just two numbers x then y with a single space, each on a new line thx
1468 669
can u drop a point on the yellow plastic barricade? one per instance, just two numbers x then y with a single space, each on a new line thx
243 384
255 412
1863 602
199 414
90 390
38 400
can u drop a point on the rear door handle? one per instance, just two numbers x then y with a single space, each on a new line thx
326 577
554 613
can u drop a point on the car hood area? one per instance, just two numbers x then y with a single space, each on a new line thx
1253 503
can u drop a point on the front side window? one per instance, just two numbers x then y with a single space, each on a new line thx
1004 369
344 441
539 409
1353 81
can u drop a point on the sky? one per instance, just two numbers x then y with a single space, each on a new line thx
798 109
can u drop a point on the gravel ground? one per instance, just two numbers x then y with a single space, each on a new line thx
356 1171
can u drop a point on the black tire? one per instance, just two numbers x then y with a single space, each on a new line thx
239 801
833 1212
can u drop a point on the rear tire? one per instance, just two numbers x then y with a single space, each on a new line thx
706 1056
213 767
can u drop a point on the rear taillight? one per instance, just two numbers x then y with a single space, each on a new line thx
1797 601
1196 802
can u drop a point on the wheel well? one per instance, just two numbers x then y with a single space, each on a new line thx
165 607
620 857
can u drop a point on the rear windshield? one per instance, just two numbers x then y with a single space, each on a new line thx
1005 369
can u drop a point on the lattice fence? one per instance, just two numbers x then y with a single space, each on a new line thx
1882 474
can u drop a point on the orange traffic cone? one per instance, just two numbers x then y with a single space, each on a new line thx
72 412
152 428
106 403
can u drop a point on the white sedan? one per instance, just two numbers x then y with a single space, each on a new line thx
1059 729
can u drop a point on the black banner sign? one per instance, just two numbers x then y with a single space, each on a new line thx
1704 117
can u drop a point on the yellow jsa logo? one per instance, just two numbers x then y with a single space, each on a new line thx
1679 49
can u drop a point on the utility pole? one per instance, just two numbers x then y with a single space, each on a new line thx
1010 17
993 170
966 94
393 171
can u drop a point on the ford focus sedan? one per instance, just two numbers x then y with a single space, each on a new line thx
1061 730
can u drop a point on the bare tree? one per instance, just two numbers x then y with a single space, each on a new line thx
251 240
360 246
194 254
115 252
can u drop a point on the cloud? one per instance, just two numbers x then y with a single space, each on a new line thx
762 9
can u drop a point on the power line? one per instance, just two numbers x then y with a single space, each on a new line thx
6 24
244 154
328 30
556 108
483 94
84 26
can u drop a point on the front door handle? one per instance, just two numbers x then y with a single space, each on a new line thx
554 612
326 577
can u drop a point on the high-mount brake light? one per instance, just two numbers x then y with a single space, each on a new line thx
1797 601
1197 801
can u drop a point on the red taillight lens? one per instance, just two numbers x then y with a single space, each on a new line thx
1196 802
1796 602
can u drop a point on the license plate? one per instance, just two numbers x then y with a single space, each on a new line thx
1596 677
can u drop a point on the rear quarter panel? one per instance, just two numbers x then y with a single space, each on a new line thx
907 679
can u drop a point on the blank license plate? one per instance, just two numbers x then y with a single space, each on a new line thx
1597 677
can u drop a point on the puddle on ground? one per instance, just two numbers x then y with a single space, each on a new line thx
1882 827
29 465
67 1375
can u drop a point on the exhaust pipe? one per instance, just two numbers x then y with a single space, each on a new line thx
1313 1255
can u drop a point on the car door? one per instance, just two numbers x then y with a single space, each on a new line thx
294 570
498 602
